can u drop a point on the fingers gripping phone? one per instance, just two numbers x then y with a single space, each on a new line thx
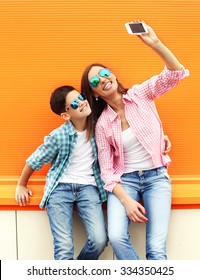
136 28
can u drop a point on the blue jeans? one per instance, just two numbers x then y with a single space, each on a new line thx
154 187
89 207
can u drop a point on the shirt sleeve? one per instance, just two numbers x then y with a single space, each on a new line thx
105 157
158 85
43 154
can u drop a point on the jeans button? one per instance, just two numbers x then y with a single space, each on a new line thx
140 172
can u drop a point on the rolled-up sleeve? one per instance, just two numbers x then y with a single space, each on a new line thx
105 157
160 84
44 153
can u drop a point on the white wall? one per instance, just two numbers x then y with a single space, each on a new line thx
26 235
8 237
183 239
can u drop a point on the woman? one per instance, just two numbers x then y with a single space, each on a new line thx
131 146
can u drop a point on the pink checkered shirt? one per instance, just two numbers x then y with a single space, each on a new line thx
143 119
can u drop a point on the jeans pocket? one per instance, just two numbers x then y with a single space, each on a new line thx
166 175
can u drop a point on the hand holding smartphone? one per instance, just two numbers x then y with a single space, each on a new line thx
136 28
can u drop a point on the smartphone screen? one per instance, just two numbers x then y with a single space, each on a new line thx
137 27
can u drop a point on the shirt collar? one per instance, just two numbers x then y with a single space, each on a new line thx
111 113
70 127
126 96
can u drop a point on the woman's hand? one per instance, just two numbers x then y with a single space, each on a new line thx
135 211
149 38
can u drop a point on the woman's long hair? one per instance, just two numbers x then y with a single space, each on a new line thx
97 106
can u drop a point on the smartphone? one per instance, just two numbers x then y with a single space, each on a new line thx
136 28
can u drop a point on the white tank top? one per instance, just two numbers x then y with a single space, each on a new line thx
135 156
80 169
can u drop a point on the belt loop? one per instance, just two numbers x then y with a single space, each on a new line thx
158 170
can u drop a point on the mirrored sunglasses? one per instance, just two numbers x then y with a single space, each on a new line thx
75 103
94 81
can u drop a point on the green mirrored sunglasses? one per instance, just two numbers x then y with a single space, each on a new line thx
94 81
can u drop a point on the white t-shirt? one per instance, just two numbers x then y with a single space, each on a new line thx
80 170
135 156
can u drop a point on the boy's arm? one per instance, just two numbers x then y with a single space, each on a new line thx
168 145
22 192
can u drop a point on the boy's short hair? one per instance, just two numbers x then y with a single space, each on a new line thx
58 99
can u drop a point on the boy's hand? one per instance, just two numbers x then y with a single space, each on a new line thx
22 195
167 145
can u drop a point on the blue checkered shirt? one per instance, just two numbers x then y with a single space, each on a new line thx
58 149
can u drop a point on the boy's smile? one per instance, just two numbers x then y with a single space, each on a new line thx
76 102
